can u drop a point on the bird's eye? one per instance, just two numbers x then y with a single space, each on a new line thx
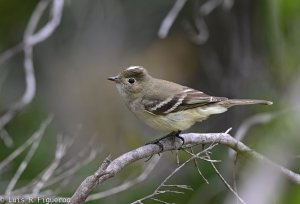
131 80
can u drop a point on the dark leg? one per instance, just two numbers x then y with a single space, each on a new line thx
176 134
172 134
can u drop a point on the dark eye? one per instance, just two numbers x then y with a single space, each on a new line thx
131 80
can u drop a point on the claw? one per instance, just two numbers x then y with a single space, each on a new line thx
157 142
172 134
176 134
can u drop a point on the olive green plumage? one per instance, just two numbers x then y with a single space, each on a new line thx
168 106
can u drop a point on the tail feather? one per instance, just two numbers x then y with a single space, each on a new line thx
239 102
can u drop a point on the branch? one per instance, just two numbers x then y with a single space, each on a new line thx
209 6
109 168
28 142
159 190
8 141
170 18
249 123
38 136
6 55
254 120
57 173
30 39
226 183
90 183
60 152
127 184
23 165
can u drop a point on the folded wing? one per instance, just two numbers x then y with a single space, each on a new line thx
184 100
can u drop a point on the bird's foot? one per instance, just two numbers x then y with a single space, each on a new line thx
172 134
176 134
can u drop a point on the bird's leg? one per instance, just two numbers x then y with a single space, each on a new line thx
173 134
176 134
157 141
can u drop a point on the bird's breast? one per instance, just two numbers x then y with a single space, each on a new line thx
171 122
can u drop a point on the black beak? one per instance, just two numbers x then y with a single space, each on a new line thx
115 78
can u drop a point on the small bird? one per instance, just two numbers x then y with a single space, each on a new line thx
168 106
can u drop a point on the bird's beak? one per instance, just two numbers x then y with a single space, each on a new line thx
114 78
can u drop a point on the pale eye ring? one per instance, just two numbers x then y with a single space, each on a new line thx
131 80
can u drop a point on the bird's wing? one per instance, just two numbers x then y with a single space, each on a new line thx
185 99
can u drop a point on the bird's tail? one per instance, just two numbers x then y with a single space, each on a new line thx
240 102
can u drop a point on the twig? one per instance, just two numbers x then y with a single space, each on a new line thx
205 158
32 139
28 67
30 39
234 179
8 142
24 163
226 183
170 18
249 123
83 154
72 170
158 200
197 167
209 6
199 32
6 55
162 184
145 173
58 176
59 154
179 186
227 4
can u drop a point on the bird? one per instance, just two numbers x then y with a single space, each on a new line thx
168 106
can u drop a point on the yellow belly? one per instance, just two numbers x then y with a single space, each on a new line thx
180 120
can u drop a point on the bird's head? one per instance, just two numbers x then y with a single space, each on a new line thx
131 81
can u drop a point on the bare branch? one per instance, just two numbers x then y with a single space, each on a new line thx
227 4
6 138
159 190
22 166
59 154
38 135
30 39
89 184
85 152
201 33
49 28
204 158
58 177
145 173
160 201
170 18
68 173
198 30
249 123
110 169
209 6
226 183
31 140
197 167
6 55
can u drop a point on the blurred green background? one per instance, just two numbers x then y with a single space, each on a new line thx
252 51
